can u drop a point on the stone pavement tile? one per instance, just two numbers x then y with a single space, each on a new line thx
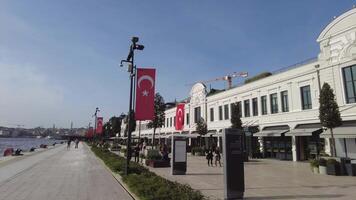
267 179
73 174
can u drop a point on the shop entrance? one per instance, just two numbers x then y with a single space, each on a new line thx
278 147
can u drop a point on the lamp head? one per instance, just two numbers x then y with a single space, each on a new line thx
134 39
139 47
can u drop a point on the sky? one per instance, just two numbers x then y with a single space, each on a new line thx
59 60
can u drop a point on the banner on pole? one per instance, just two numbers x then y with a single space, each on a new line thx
180 117
145 94
99 125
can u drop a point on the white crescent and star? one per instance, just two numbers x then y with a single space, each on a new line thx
145 77
180 113
145 93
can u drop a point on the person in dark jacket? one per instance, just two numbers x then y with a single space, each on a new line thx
209 157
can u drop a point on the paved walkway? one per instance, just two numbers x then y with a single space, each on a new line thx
59 174
267 179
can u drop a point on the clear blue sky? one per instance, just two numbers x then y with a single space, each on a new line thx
59 59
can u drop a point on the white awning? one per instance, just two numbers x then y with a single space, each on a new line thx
340 132
303 132
270 133
210 134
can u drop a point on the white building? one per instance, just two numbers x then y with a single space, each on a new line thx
284 106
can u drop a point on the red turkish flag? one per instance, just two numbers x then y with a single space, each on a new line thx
90 133
180 117
99 125
145 94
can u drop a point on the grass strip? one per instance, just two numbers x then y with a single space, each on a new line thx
145 184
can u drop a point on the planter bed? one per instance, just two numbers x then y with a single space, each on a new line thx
158 163
145 184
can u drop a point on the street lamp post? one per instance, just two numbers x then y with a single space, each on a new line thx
132 70
95 120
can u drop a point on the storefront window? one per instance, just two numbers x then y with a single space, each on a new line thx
247 107
306 97
197 114
284 98
211 114
264 105
254 107
274 103
226 111
350 82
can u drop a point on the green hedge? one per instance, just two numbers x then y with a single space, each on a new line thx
145 184
198 151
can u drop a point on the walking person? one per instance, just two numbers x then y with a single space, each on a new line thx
209 157
137 153
217 156
76 143
68 143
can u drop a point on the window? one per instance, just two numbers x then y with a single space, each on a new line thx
197 114
239 105
211 114
274 103
167 122
220 113
284 98
170 120
174 121
264 105
187 118
247 107
306 98
226 111
231 105
350 83
254 107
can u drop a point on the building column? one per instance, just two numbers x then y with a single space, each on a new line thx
218 142
260 141
294 148
327 146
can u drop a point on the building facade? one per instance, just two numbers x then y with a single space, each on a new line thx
281 111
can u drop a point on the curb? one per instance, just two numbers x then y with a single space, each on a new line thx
116 176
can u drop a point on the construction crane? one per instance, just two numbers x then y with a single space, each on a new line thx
227 78
17 125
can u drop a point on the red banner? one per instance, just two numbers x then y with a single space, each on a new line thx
90 133
99 125
145 94
180 117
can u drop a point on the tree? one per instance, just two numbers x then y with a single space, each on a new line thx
236 116
115 123
159 115
201 128
329 113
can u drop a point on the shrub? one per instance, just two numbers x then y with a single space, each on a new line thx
314 163
145 184
331 162
322 162
123 150
106 145
199 151
153 154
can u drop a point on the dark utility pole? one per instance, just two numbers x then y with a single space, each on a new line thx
96 116
132 71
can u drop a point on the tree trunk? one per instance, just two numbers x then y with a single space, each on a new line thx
332 144
153 138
